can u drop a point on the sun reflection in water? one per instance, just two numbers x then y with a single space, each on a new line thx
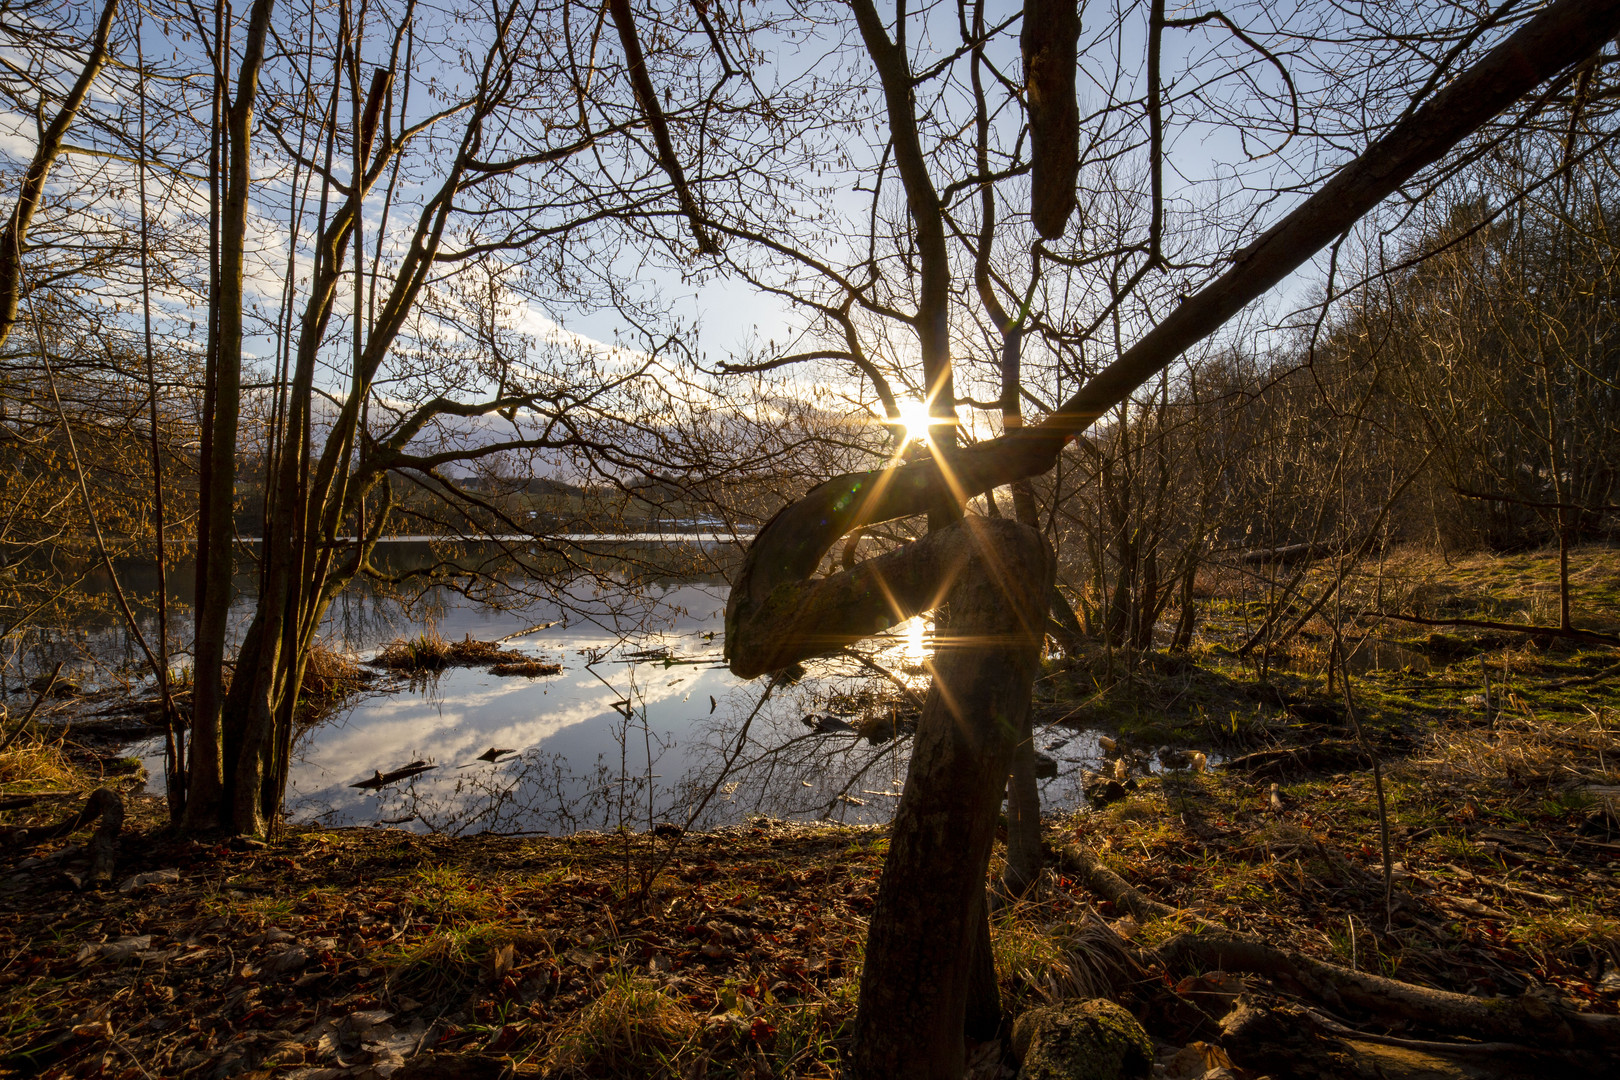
917 648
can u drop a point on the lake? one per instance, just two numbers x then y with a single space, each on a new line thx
642 725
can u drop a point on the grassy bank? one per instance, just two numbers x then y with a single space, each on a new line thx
737 953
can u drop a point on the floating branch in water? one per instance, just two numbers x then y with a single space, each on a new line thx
383 779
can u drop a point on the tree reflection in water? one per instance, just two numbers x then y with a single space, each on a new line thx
832 746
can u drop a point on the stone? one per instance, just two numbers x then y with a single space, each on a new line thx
1102 790
1081 1040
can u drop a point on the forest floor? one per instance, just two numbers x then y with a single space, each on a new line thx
737 953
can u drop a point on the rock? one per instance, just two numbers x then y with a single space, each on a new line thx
155 877
1046 768
1081 1040
1101 790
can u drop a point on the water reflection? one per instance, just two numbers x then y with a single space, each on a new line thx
916 648
641 727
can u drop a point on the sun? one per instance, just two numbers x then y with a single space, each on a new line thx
914 414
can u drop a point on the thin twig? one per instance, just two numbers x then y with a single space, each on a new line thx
50 683
1378 785
714 788
84 491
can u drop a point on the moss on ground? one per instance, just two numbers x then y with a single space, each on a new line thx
1501 762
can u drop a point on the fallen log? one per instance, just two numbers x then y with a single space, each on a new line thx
1289 1040
1535 1019
1327 754
1287 554
1530 1019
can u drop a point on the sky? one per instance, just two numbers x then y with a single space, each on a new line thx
1212 168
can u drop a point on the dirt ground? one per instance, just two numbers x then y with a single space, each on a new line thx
1493 874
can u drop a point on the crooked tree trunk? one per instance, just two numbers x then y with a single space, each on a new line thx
925 950
925 929
913 990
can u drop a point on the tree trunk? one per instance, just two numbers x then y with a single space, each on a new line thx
1023 867
982 1016
921 945
1189 609
1023 816
208 803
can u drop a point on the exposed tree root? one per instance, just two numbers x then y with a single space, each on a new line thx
1107 885
1300 1043
1533 1019
103 803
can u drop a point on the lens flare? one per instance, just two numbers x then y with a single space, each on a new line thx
914 414
916 648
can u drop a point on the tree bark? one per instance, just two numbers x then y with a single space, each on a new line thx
208 803
1023 816
1050 44
921 946
982 1015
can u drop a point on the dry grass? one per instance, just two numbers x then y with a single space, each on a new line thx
427 651
632 1028
443 966
531 668
30 766
330 674
1523 748
1042 956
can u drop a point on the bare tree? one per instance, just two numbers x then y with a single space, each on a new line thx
918 965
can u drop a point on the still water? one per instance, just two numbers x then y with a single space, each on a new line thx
643 725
